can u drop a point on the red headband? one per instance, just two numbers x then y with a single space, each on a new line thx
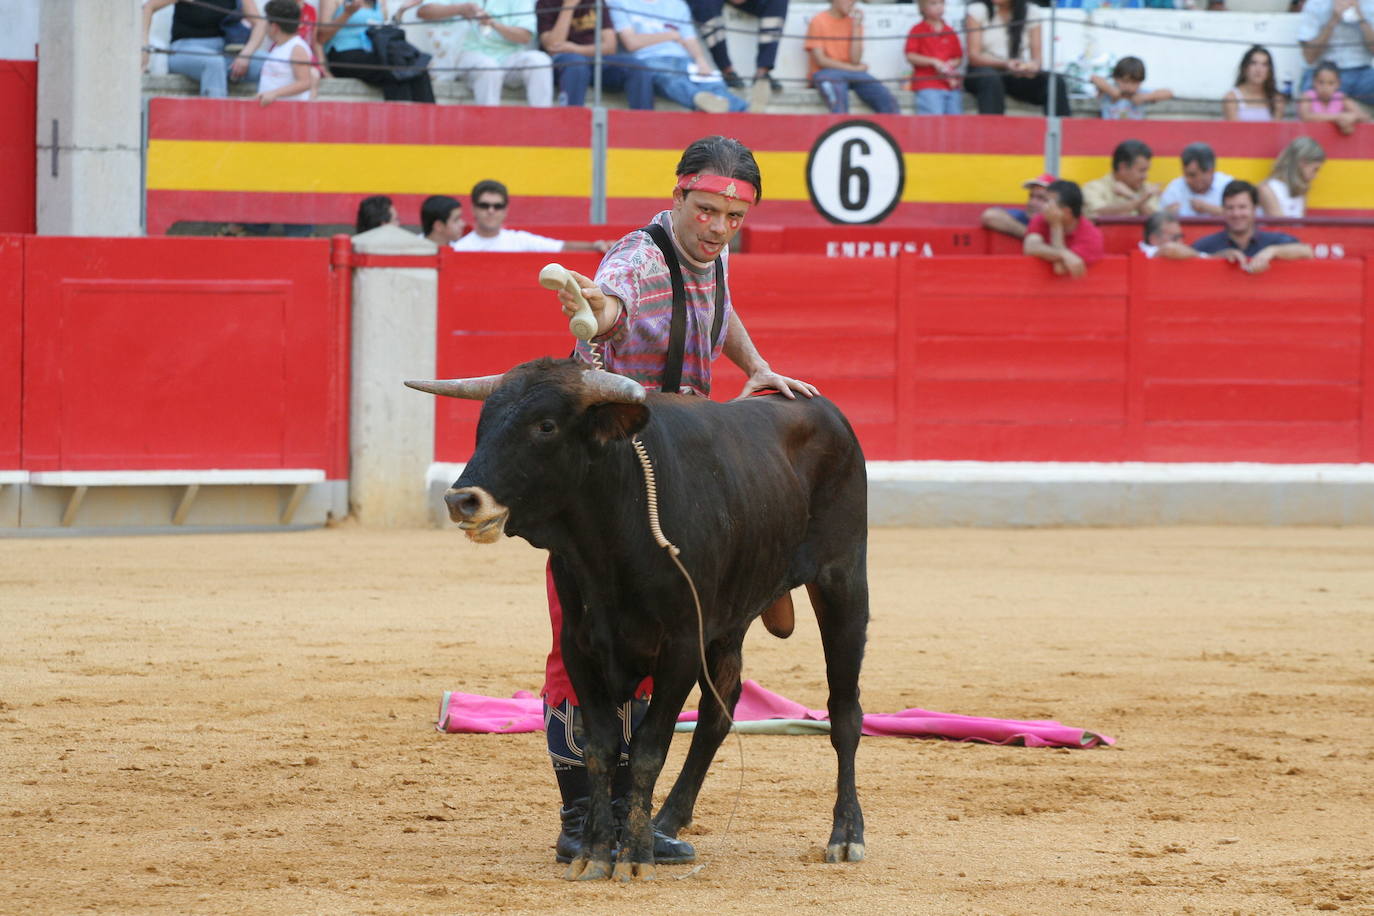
734 188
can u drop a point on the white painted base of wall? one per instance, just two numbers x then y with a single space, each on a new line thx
1030 494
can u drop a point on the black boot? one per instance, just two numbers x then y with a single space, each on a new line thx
572 785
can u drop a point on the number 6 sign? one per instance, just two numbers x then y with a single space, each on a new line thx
855 173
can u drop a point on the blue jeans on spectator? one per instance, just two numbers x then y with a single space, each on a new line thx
204 60
618 71
1356 82
834 86
672 82
939 102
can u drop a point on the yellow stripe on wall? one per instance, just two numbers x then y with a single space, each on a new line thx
360 168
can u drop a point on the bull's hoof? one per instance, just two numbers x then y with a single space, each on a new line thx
587 870
633 871
844 852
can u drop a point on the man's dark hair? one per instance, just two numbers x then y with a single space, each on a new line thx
1069 195
1128 151
1157 221
374 211
285 13
436 209
1240 187
722 156
1129 68
1201 154
489 186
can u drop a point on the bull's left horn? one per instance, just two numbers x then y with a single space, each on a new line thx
607 386
474 389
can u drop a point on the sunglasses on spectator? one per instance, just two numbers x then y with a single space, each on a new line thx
490 206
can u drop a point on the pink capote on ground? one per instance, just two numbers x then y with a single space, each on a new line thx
470 712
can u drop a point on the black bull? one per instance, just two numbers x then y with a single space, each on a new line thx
762 495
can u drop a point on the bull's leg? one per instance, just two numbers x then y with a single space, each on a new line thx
713 724
648 749
601 753
841 603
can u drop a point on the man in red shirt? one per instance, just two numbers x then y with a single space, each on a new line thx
1061 234
934 51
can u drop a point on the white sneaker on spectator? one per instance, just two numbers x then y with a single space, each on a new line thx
709 101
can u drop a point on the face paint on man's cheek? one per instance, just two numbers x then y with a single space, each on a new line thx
703 218
734 221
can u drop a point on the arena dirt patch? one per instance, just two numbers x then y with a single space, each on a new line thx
244 723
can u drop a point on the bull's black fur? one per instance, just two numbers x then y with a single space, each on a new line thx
761 495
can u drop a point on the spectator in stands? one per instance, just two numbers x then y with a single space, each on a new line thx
198 44
659 33
1126 190
287 74
343 35
835 47
711 24
1061 234
1343 31
1326 102
377 210
1241 242
1014 222
1198 191
936 58
1255 97
441 220
567 32
1004 58
1284 193
1125 95
492 48
490 203
1163 236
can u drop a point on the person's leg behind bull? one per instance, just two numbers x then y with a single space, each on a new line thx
565 732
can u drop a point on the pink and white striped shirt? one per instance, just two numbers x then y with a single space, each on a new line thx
636 346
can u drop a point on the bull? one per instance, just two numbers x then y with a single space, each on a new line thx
761 495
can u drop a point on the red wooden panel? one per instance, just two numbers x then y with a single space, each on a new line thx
866 241
1230 359
1366 452
1257 401
11 349
1019 358
803 295
1020 401
1017 278
1280 443
1027 314
955 441
180 353
18 130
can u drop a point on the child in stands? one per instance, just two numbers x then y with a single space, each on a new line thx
934 51
1325 101
1125 95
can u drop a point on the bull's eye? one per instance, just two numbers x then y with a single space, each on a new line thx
545 428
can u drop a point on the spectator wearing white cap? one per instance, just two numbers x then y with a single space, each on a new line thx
1013 222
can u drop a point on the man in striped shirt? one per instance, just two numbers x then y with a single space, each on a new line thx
718 182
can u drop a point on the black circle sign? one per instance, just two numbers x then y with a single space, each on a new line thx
855 173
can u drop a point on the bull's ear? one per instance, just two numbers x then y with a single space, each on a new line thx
612 421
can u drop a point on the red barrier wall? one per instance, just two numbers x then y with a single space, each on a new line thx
997 359
11 349
181 353
18 146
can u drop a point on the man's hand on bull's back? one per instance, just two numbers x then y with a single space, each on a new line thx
766 378
606 309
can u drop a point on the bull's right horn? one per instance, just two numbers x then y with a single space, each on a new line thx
607 386
474 389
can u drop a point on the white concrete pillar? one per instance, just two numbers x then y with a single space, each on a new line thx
89 118
391 427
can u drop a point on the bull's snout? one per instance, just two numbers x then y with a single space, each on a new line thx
477 513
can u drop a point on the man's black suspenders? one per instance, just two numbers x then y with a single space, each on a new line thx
677 331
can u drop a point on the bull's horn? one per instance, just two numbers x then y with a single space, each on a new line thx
607 386
474 389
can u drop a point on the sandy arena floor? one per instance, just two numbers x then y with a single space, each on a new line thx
244 723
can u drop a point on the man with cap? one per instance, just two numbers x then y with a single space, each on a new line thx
1014 222
679 259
